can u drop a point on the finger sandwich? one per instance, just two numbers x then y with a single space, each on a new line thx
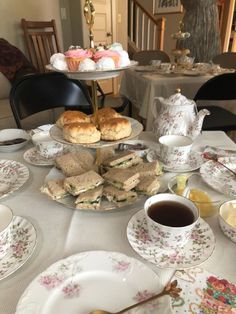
149 185
117 196
75 163
123 160
147 169
55 189
123 179
76 185
90 199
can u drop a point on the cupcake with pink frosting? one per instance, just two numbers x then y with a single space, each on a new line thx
75 55
102 53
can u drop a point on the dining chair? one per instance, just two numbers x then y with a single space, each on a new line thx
145 56
225 60
219 88
34 93
41 41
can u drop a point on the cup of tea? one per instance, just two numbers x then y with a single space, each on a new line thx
175 149
165 67
170 219
155 63
6 217
46 146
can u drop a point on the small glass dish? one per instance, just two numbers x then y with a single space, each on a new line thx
227 218
193 187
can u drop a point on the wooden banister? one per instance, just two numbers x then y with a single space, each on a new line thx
145 31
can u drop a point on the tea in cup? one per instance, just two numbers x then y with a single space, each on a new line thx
175 149
170 219
6 217
46 146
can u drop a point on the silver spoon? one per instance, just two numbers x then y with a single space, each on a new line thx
171 289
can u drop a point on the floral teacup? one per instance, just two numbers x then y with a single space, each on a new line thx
175 149
6 217
170 220
46 146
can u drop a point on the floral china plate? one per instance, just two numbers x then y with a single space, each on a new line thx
13 175
218 177
194 162
22 247
93 280
33 157
198 249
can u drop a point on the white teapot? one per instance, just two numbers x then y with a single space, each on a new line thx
177 115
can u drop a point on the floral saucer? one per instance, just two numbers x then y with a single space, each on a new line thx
194 162
198 249
22 247
34 158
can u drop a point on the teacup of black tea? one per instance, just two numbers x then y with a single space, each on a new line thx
170 219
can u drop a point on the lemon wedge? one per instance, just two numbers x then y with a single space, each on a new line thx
181 184
203 201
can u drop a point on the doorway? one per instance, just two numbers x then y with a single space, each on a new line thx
75 31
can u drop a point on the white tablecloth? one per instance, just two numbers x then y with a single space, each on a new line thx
63 231
141 88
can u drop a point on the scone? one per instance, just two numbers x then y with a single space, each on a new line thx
115 129
105 114
81 133
71 116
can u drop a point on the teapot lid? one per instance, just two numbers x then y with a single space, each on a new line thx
177 99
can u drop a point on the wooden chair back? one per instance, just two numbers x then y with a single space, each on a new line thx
41 41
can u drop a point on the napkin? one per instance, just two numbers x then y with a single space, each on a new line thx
203 293
219 152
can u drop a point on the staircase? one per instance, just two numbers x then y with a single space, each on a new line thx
145 31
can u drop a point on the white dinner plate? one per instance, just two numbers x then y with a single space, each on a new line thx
93 280
218 177
24 239
13 175
56 134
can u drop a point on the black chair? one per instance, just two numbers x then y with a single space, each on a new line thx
145 56
38 92
218 88
226 60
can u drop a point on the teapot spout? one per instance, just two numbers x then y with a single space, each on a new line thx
197 123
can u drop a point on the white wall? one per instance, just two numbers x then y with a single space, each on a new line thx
12 11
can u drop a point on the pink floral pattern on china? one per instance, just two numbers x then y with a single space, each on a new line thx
227 230
162 237
23 241
194 162
69 281
218 177
177 115
13 175
197 250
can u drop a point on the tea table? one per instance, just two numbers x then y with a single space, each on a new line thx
63 231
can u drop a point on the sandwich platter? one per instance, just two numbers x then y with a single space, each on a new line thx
75 181
56 134
69 201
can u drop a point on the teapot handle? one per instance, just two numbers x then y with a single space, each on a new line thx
154 107
195 108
